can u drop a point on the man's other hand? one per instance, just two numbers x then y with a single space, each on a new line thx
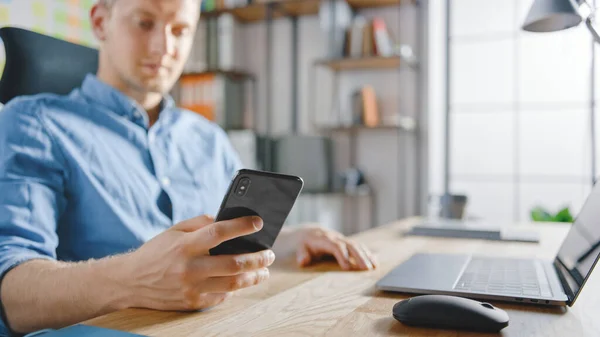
317 242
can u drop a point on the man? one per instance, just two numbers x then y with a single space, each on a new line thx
103 190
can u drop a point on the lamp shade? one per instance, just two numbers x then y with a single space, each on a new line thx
551 15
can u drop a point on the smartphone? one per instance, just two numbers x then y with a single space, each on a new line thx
268 195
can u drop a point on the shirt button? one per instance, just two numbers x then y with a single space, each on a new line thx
151 138
166 182
137 115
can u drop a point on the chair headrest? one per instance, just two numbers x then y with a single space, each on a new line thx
37 63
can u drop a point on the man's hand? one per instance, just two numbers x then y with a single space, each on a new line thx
313 243
174 271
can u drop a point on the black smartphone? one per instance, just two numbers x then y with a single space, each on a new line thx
268 195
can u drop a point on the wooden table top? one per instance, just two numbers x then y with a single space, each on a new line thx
325 301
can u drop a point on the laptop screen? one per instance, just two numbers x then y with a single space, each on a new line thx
580 249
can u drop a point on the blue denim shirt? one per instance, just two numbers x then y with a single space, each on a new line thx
82 176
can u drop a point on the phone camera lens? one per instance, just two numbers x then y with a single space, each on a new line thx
243 186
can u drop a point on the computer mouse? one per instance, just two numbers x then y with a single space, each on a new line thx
450 312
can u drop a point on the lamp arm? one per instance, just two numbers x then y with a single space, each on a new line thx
590 20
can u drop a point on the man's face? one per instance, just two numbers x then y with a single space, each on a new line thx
147 42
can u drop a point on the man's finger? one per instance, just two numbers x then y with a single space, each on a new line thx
361 258
371 256
229 265
303 256
339 250
216 233
235 282
193 224
206 301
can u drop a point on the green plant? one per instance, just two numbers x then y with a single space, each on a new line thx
540 214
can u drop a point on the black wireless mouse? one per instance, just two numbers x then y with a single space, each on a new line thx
450 312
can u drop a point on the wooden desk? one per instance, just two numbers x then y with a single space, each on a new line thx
324 301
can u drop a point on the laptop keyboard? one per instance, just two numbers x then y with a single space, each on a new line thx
504 276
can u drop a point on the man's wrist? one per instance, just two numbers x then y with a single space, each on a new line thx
113 272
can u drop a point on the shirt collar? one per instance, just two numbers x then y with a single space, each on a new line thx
111 98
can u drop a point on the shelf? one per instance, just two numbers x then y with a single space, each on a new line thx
405 124
362 63
258 11
358 4
301 8
229 73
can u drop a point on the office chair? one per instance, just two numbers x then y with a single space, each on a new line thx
36 63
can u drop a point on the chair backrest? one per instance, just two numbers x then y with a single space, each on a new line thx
36 63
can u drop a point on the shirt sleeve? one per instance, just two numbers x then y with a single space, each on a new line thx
32 178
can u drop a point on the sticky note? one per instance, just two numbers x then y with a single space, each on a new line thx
86 25
60 36
61 17
87 4
74 22
4 17
39 9
39 29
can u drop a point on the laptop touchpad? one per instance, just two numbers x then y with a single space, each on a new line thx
425 272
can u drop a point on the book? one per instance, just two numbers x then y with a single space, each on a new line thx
370 110
368 47
226 42
218 98
197 60
383 42
357 108
355 39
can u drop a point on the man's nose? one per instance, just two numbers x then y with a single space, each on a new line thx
163 42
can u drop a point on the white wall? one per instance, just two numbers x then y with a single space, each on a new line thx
378 151
519 112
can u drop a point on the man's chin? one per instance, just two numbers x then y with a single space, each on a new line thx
156 86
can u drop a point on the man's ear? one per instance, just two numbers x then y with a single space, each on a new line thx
99 16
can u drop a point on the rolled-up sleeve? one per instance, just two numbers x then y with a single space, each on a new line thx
32 178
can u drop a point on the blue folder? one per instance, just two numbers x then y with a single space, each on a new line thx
80 330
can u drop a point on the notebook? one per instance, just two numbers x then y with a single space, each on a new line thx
473 230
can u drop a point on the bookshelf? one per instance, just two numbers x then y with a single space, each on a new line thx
397 126
265 12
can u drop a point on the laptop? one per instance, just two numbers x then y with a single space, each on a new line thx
556 282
